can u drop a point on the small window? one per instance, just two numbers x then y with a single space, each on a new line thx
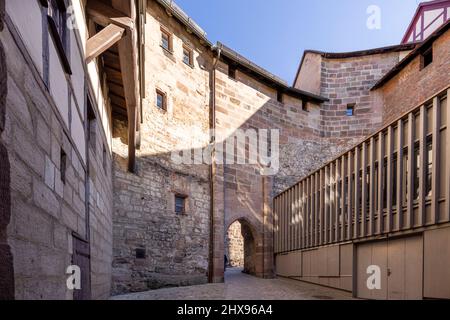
91 125
140 253
188 56
180 204
427 58
280 96
232 72
351 110
304 106
161 102
57 12
166 40
63 165
105 163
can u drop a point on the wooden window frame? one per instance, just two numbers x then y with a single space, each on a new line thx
190 51
164 96
59 31
166 32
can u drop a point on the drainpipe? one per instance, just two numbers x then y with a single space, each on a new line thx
212 170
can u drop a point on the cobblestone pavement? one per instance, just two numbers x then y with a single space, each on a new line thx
239 286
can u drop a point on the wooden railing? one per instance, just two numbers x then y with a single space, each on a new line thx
396 180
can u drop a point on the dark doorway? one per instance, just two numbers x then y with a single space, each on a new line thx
240 247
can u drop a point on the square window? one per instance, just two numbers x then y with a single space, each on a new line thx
140 253
187 56
166 40
180 204
57 12
350 110
161 100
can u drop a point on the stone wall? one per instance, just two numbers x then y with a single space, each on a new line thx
6 265
176 246
46 211
419 84
235 245
348 81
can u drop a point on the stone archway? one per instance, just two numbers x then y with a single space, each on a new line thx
6 265
240 246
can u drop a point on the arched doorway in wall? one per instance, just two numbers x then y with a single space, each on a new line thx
240 247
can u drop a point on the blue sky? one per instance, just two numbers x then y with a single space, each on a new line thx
274 33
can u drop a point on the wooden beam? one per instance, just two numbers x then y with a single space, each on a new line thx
447 159
389 173
372 187
104 15
102 41
357 194
125 14
380 183
364 195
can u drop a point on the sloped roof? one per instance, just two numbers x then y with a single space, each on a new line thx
420 9
420 49
354 54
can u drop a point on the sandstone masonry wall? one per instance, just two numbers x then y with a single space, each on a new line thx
46 212
413 85
176 246
348 81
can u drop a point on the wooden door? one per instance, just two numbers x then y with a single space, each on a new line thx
81 258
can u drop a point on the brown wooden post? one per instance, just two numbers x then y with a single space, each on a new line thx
6 258
400 139
364 194
389 154
357 194
380 182
410 188
343 213
423 164
349 196
436 160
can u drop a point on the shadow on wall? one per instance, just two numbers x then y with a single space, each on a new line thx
174 248
6 259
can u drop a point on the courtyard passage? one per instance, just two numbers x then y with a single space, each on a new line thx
240 286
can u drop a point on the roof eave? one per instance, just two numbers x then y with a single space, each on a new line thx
420 48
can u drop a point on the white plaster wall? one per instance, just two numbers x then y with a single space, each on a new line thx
26 16
58 82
